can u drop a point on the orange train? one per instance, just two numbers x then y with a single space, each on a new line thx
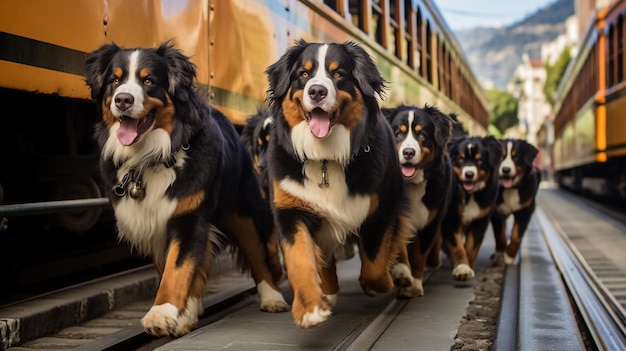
589 152
48 153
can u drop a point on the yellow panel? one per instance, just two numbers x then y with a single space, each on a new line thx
45 81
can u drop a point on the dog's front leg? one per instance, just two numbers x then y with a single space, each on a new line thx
302 261
177 280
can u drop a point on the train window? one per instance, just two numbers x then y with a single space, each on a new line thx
409 37
378 21
620 49
428 54
611 57
358 13
420 41
392 11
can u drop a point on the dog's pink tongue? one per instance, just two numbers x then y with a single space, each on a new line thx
319 123
127 132
507 183
408 171
468 186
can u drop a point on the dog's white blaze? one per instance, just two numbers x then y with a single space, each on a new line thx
508 161
420 212
410 143
320 78
511 201
133 87
343 213
471 210
335 147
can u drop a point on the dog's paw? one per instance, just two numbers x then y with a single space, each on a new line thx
313 318
161 320
508 260
271 300
462 272
402 276
497 259
415 290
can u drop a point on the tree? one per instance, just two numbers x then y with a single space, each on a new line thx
502 109
554 73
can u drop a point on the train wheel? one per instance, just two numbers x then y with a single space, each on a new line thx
78 220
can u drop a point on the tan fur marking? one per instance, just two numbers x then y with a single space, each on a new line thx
403 128
427 157
107 116
513 247
418 128
164 114
283 199
244 233
292 108
352 109
456 252
144 72
333 66
373 203
176 279
118 72
302 260
308 65
189 203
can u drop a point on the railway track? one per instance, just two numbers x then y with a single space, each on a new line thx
564 291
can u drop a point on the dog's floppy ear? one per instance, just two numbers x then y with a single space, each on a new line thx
96 64
443 123
529 154
181 71
365 71
495 149
279 73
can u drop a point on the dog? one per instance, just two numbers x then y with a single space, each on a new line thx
182 184
475 187
334 172
256 137
421 138
519 183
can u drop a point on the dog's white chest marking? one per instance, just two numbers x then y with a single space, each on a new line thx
511 202
143 222
344 213
420 212
471 210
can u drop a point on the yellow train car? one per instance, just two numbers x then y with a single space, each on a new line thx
589 152
43 46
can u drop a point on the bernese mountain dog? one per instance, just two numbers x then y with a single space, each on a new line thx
421 138
256 137
475 161
180 181
519 183
334 172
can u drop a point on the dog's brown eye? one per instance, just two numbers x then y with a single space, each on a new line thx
116 81
147 81
421 136
336 74
399 135
305 74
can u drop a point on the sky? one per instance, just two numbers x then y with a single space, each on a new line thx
466 14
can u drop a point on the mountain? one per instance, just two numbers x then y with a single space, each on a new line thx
494 53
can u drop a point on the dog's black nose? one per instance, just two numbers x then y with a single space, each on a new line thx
317 92
469 175
506 170
124 101
408 153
